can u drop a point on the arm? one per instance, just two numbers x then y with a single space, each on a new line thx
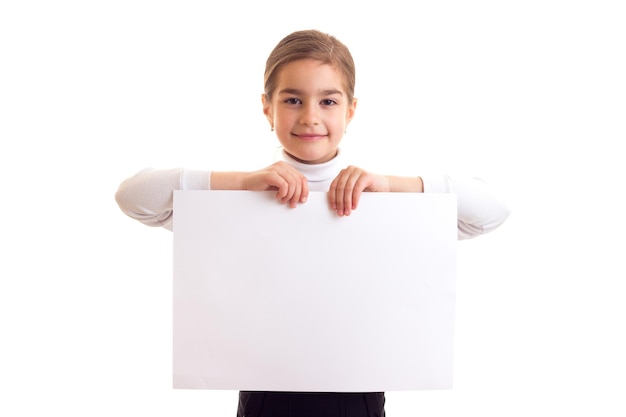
480 210
346 188
290 185
148 195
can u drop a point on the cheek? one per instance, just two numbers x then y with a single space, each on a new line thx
283 118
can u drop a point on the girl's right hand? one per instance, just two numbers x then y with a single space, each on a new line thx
290 185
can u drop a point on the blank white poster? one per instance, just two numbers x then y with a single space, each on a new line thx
273 298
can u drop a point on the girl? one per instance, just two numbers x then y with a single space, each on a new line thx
309 102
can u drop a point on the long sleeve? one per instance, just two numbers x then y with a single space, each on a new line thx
480 209
148 196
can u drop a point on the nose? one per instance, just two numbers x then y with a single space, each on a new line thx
309 115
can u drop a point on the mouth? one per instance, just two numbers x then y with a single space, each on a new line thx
310 136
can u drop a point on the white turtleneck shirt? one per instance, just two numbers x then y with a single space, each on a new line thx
148 195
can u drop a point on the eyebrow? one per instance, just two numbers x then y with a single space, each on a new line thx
299 92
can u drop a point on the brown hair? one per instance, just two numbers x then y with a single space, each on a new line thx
310 44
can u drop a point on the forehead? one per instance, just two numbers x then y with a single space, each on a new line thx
310 74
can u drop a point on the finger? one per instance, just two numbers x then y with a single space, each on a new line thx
296 187
275 181
349 193
358 182
297 192
332 194
340 192
290 188
361 184
283 185
305 190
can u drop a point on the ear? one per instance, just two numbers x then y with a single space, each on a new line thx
267 109
351 111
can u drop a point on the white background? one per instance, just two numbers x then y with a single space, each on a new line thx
528 95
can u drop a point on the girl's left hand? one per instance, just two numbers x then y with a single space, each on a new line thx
346 188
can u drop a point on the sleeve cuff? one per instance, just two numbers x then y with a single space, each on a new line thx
434 184
196 180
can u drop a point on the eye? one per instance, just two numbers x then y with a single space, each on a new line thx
293 101
328 102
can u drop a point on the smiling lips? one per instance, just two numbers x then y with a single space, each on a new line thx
310 136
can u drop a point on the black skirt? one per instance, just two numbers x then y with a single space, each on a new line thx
310 404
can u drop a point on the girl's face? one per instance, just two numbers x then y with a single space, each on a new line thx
309 110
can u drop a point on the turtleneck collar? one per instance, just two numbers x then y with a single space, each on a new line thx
324 172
